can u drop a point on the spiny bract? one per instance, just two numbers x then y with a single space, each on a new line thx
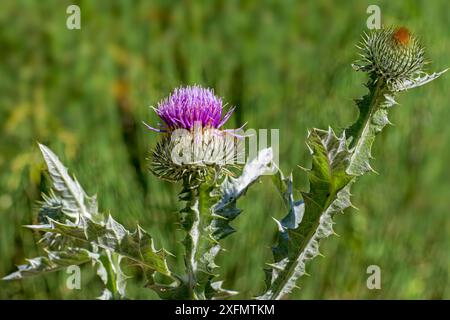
392 54
196 154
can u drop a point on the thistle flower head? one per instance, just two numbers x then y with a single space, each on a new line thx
196 154
187 106
194 146
392 54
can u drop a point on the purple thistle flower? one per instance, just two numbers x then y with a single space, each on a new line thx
189 105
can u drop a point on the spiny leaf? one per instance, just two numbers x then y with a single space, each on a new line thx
309 222
419 80
373 109
75 202
226 210
72 223
232 189
110 271
137 245
294 216
53 261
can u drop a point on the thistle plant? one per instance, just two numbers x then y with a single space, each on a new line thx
195 152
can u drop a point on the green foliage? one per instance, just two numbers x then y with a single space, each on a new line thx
209 208
205 218
81 227
225 210
87 93
373 110
336 162
309 222
53 261
72 217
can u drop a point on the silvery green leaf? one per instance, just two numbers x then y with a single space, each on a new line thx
75 233
219 293
420 80
75 203
233 188
226 210
110 272
309 222
53 261
294 216
136 246
373 117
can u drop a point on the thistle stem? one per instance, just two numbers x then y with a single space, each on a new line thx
376 93
195 218
189 220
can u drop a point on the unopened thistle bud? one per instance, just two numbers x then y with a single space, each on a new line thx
393 55
193 146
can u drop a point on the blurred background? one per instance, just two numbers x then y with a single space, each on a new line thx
284 64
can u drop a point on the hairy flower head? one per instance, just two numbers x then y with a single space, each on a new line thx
193 145
187 106
393 54
195 154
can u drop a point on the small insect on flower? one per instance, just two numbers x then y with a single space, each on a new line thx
402 36
194 146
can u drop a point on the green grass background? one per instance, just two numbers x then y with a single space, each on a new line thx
284 64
